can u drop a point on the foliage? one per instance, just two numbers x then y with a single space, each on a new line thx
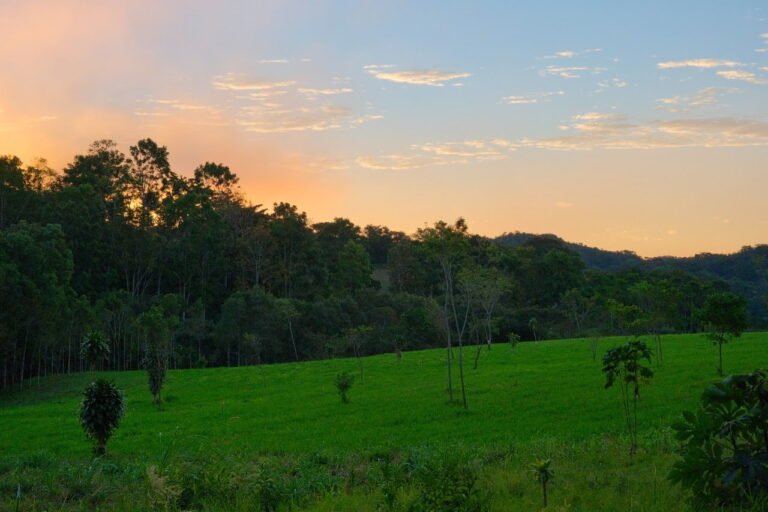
447 482
344 381
94 348
543 472
625 365
94 247
724 444
101 410
725 315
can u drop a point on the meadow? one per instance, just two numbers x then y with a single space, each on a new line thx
285 426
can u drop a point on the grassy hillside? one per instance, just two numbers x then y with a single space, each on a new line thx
545 397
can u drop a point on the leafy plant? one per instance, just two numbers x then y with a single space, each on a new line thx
724 444
543 472
725 314
344 381
94 349
448 482
625 365
101 410
514 340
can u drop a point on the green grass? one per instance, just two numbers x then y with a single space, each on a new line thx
539 399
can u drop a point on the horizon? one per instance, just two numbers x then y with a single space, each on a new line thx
608 126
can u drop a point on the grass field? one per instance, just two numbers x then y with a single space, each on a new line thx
541 399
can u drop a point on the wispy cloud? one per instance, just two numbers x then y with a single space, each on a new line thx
613 82
570 71
744 76
612 134
532 98
443 153
310 92
701 98
273 61
430 77
239 82
277 118
698 63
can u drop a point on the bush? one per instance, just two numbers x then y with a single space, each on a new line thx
101 410
344 382
724 445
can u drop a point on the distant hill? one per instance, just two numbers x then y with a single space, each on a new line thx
745 271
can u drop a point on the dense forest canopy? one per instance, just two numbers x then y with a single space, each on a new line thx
116 242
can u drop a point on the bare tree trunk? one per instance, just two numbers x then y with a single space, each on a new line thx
293 339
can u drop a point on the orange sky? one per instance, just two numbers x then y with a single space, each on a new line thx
377 113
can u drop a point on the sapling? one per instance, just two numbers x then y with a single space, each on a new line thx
543 472
101 410
725 314
344 381
514 340
625 365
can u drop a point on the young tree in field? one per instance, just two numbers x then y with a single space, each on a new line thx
624 364
344 381
358 338
156 330
486 285
543 472
533 325
94 349
656 299
288 312
448 245
725 315
101 410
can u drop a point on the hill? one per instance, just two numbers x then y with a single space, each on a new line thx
746 271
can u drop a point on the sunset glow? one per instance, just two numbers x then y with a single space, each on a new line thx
641 127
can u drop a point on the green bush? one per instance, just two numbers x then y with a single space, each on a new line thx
344 381
101 410
724 444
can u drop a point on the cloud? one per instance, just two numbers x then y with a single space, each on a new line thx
702 98
570 71
613 82
277 118
443 153
273 61
744 76
238 82
430 77
699 63
534 98
323 92
598 116
683 133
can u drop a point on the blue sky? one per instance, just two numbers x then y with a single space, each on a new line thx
625 125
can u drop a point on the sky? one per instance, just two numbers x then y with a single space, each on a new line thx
636 126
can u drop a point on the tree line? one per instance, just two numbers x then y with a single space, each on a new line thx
182 271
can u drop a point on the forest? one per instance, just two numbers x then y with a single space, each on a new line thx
122 247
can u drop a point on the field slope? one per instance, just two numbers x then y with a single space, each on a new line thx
534 394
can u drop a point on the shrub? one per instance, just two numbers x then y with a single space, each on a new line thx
101 410
344 381
724 444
